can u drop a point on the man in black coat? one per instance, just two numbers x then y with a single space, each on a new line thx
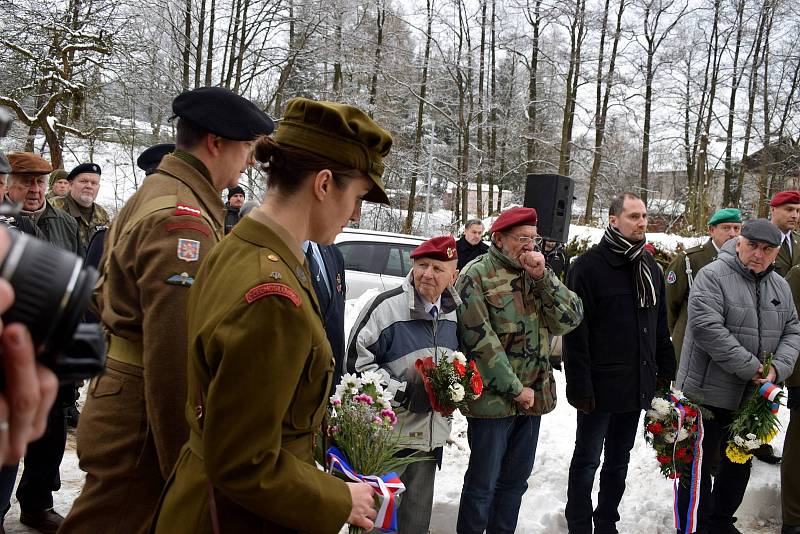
470 245
232 207
326 265
614 360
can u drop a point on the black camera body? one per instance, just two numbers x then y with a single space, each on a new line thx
52 290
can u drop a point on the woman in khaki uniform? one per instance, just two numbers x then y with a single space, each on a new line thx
260 364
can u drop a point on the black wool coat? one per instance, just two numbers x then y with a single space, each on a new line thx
618 350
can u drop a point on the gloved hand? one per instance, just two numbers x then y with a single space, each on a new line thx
582 404
793 401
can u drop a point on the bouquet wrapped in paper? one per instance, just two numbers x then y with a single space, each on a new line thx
365 443
450 382
756 422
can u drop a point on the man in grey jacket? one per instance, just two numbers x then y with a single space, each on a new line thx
740 311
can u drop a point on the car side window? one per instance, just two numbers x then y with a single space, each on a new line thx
394 263
358 256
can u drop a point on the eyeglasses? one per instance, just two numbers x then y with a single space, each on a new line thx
525 240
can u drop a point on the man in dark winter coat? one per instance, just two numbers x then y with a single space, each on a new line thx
613 361
232 207
740 311
470 246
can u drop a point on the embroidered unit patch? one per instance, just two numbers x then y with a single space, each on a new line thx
188 249
671 277
264 290
182 279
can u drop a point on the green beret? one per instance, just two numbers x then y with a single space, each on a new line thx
340 133
725 215
56 175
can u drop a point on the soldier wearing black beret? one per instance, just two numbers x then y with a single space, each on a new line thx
133 425
149 159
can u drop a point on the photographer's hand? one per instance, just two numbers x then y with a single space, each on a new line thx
30 388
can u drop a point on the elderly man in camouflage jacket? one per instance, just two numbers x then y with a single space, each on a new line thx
511 305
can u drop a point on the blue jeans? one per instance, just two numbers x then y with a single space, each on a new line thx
503 451
617 431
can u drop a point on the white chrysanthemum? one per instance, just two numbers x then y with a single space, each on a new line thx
457 392
372 377
662 406
678 393
669 437
683 434
738 440
752 443
652 414
456 355
750 436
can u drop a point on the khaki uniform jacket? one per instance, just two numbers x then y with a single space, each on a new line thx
794 283
783 262
148 266
86 228
260 368
678 288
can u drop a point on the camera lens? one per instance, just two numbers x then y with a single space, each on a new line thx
52 291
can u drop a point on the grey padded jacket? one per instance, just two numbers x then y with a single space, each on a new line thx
735 316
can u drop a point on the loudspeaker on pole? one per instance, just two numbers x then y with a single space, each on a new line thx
551 196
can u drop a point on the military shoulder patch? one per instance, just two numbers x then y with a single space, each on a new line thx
264 290
197 226
182 279
188 249
671 277
184 209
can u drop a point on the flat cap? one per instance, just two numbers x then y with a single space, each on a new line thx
341 133
438 248
514 217
725 215
149 159
235 191
28 163
785 197
92 168
56 175
5 166
762 231
223 113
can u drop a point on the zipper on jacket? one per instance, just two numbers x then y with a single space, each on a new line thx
436 361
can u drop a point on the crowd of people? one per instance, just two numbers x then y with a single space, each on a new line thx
225 331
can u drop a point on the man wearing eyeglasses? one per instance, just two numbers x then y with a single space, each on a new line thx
613 361
512 304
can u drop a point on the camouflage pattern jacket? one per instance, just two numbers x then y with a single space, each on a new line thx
86 228
505 322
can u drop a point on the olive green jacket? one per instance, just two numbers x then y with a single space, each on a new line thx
677 279
794 283
86 228
505 322
783 262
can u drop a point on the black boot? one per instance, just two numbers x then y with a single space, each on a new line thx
766 453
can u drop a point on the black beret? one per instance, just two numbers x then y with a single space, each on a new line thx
223 113
5 166
236 191
149 159
762 231
93 168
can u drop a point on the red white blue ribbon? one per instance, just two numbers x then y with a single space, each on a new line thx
772 393
697 464
387 488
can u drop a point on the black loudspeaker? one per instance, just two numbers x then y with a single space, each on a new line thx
551 196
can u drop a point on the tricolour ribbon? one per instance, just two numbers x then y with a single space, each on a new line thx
697 464
387 488
772 393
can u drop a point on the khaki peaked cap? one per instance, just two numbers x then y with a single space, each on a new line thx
341 133
29 163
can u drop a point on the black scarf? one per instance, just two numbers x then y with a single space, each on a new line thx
634 252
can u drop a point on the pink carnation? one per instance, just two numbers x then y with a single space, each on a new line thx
363 397
390 415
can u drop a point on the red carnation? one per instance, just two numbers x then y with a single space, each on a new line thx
690 412
683 453
663 459
694 428
476 383
655 428
459 368
472 366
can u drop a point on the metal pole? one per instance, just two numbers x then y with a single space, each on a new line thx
430 177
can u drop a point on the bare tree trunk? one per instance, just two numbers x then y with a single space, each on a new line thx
577 34
729 197
376 67
423 89
534 19
493 116
481 90
187 43
210 50
237 82
338 78
601 103
198 60
764 189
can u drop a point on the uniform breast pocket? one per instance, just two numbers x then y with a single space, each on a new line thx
504 317
310 397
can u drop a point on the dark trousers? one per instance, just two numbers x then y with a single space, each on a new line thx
500 462
718 503
616 433
790 466
40 477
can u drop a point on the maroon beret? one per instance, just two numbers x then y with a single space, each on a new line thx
514 217
441 248
29 163
785 197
